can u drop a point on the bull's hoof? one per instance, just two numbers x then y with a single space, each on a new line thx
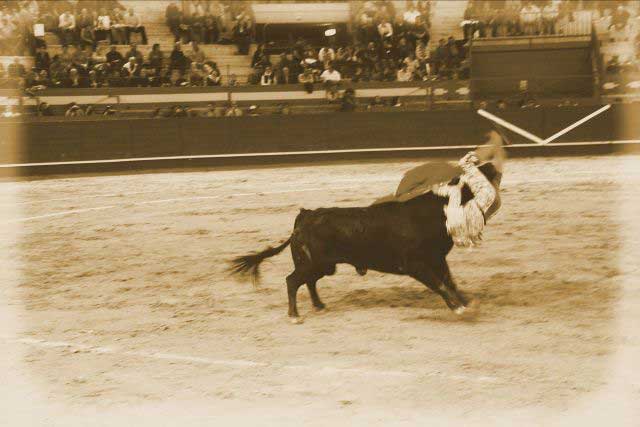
469 311
361 271
319 307
296 320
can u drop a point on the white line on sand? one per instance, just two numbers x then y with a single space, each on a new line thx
239 363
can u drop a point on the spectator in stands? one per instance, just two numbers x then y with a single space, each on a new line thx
307 79
620 18
84 20
66 28
133 51
81 59
44 109
74 81
212 76
549 18
118 27
197 54
410 14
213 111
211 29
348 100
114 58
131 69
42 60
16 69
419 31
268 78
133 24
233 80
530 17
176 78
173 16
196 76
178 61
423 57
242 35
93 81
260 58
103 27
41 80
156 58
404 75
385 29
234 110
326 54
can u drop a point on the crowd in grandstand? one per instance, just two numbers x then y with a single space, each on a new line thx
387 46
490 18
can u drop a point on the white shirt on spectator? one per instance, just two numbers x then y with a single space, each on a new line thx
330 76
403 75
410 16
132 20
67 21
550 11
530 14
104 22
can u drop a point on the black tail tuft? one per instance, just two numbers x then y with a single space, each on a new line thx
249 265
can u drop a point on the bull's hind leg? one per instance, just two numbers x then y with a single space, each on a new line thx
294 281
315 298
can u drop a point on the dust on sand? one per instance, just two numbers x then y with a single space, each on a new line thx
125 276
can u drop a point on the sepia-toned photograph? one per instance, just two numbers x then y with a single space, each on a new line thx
319 213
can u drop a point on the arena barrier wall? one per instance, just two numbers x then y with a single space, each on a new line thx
50 147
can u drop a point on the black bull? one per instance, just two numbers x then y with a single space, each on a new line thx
407 238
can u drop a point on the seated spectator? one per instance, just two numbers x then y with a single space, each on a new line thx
41 80
326 55
74 110
404 75
260 57
85 20
211 29
75 80
133 51
242 36
530 16
118 27
410 14
156 58
42 60
212 76
419 31
102 29
196 76
307 79
197 54
234 110
44 109
93 81
348 100
233 80
620 18
549 18
114 58
213 111
173 16
131 69
268 78
178 60
176 79
133 24
385 29
66 28
81 58
331 79
16 69
87 38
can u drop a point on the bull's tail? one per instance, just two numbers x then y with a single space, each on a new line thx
249 265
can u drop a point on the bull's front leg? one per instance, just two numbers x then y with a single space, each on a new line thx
427 276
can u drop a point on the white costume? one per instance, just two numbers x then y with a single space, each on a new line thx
465 223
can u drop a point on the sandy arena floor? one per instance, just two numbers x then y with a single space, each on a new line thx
123 302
